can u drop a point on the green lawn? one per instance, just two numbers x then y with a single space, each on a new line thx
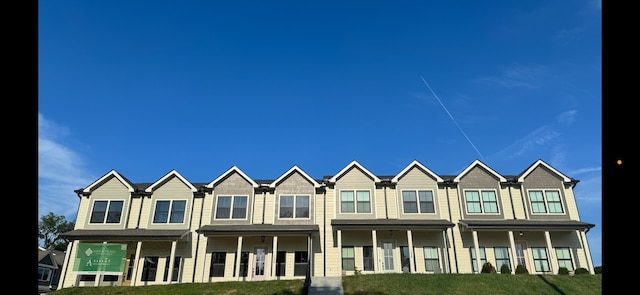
379 284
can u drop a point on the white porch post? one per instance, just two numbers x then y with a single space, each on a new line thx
412 265
512 257
340 249
375 251
445 254
477 250
238 254
172 261
274 257
310 255
134 278
552 254
587 252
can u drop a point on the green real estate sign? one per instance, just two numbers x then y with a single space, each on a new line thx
104 258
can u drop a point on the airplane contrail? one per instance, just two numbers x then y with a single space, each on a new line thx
452 119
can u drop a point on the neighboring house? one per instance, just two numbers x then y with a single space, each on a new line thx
238 228
50 264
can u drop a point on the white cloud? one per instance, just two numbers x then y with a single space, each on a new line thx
518 76
542 136
567 117
60 171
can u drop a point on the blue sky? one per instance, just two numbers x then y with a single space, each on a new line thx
144 87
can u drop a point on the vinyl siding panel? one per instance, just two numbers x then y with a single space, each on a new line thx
355 179
293 185
173 189
479 178
233 185
414 180
543 178
112 190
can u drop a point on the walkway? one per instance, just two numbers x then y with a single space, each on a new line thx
326 286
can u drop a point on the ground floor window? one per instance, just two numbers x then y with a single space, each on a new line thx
87 278
174 271
540 260
281 265
348 258
405 259
217 264
431 262
149 268
244 264
367 258
483 258
300 263
110 278
502 257
564 258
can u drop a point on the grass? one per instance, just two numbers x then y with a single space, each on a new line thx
378 284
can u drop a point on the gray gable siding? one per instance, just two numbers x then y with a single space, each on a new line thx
233 185
295 184
543 178
481 179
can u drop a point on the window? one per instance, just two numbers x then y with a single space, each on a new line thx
360 204
171 211
234 207
481 201
483 258
87 278
175 271
348 258
502 257
110 278
405 259
291 206
367 258
564 258
541 200
300 263
106 212
540 259
281 265
424 203
130 267
217 264
244 263
44 274
431 259
150 268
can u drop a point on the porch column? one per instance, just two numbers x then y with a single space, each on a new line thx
512 258
375 251
587 252
477 250
445 254
412 266
238 254
274 256
340 249
134 278
552 254
310 255
172 261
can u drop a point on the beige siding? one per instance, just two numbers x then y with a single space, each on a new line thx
295 184
111 190
416 179
542 178
479 178
356 179
173 189
233 185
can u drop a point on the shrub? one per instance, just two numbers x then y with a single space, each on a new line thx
563 270
504 269
597 269
488 268
521 269
581 271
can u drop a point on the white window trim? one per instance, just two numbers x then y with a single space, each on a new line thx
106 213
355 201
155 204
546 202
479 190
233 199
295 199
433 196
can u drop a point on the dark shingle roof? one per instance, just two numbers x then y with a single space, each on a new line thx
393 223
526 224
256 229
125 234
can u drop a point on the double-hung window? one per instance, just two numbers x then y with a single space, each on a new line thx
44 274
169 211
502 257
431 262
175 270
231 207
218 260
420 201
540 259
483 258
545 201
348 258
564 258
481 201
301 260
149 268
355 201
106 212
367 258
294 206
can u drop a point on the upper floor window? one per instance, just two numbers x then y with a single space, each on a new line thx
361 203
169 211
294 206
543 201
44 274
418 201
106 212
481 201
234 207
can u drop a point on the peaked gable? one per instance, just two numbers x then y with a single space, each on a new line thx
294 169
479 163
537 164
168 176
232 170
352 165
416 164
111 174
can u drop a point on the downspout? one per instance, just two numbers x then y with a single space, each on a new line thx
513 209
193 278
448 182
140 211
324 230
264 203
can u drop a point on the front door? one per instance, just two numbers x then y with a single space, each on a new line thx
405 259
387 254
259 263
521 257
128 269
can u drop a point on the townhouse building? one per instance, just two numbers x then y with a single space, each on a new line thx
236 228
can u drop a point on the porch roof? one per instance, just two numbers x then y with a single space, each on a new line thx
126 234
521 224
440 224
257 229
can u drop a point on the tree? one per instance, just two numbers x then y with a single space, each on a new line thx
49 229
